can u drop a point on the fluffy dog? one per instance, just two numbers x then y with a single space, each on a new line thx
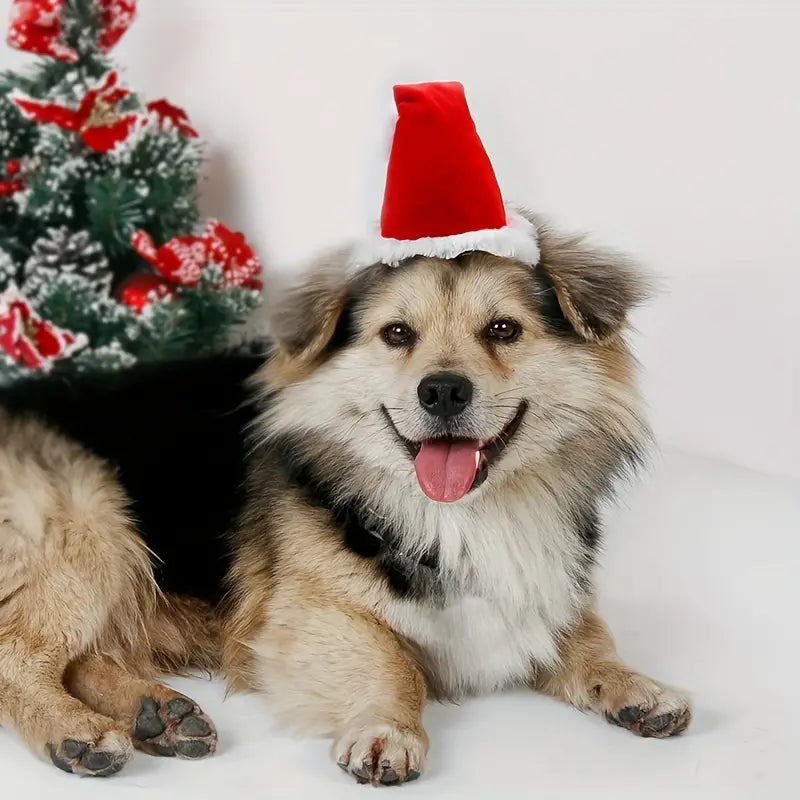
402 501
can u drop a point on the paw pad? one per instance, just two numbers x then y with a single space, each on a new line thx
655 722
86 758
382 755
175 728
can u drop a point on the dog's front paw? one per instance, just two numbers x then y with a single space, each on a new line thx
651 709
382 754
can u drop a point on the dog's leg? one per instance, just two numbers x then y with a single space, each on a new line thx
61 728
73 576
592 677
334 669
44 619
161 721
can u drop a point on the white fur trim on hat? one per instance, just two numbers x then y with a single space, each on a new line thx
518 239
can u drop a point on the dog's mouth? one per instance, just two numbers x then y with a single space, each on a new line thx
447 467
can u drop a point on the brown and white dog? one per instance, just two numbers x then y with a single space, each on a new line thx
406 507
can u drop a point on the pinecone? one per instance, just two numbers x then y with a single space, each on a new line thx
64 252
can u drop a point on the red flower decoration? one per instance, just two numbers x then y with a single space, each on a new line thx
95 120
230 250
30 340
117 16
164 110
143 288
183 259
36 26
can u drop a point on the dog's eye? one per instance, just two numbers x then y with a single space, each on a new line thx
503 330
398 334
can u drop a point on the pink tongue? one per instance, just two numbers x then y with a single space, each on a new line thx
446 470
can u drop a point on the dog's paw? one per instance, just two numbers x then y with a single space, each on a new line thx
652 710
176 727
107 756
382 754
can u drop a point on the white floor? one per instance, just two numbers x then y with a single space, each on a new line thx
701 584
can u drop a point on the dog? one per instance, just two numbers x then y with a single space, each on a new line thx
400 501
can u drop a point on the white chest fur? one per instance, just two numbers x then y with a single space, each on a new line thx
509 570
472 645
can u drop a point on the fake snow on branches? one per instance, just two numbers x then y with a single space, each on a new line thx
104 259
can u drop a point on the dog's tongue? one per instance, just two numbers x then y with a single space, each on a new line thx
446 470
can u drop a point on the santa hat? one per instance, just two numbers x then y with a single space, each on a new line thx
441 196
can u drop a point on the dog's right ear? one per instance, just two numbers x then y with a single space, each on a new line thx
309 319
587 290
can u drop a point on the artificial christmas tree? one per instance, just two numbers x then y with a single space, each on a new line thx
104 260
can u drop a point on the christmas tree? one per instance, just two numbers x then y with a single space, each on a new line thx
104 260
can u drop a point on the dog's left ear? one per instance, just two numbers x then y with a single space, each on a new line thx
585 289
303 314
311 319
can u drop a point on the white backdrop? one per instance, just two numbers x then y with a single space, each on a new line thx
667 128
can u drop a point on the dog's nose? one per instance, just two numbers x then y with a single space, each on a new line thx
444 394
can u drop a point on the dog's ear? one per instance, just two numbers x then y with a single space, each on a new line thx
303 313
586 289
310 319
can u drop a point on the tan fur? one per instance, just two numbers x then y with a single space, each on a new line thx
182 634
596 287
590 676
333 667
108 689
320 303
311 568
75 579
115 692
309 623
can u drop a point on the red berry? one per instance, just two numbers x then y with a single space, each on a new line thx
140 289
13 167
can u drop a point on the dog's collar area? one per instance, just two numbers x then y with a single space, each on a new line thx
363 532
366 536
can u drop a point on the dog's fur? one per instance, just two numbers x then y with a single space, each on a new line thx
290 545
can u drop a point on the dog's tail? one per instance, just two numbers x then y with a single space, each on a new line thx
185 635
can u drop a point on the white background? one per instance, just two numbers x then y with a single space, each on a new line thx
669 129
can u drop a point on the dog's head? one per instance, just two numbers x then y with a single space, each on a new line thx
459 374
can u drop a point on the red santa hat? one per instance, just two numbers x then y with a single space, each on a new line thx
441 196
